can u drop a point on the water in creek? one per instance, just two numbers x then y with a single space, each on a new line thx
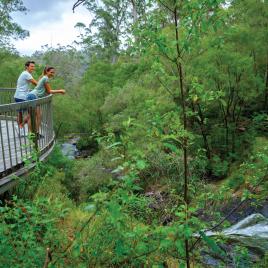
70 150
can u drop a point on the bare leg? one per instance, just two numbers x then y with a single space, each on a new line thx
25 120
19 120
29 123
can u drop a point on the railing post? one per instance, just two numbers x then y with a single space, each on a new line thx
33 129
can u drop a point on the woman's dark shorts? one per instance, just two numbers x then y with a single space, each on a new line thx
31 96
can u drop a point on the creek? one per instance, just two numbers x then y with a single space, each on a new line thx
249 226
70 150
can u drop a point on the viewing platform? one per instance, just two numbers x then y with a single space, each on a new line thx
19 145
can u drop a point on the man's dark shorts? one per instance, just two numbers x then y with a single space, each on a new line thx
18 101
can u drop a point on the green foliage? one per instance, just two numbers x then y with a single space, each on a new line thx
24 232
88 143
29 227
10 65
129 208
211 244
9 28
260 123
236 182
219 167
242 258
103 38
116 236
92 177
69 63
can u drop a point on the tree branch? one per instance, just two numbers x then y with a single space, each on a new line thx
77 3
165 6
165 86
48 258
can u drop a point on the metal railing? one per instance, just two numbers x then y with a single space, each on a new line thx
6 95
18 142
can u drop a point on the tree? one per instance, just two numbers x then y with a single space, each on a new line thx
8 28
70 64
102 37
171 31
111 26
233 72
11 65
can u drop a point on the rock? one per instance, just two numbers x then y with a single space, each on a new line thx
210 261
251 232
264 210
248 208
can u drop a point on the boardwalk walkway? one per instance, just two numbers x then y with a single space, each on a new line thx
13 152
15 145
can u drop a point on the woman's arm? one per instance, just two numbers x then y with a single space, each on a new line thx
49 90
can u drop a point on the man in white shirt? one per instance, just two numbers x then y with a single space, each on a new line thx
24 80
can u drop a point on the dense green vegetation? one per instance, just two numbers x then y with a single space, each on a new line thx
171 99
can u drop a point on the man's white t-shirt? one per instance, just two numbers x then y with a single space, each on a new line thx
23 85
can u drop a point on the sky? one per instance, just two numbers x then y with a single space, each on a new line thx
49 22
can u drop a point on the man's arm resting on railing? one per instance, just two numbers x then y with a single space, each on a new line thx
34 82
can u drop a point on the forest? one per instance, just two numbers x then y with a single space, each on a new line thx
167 104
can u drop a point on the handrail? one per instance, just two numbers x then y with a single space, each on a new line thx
8 89
23 105
15 145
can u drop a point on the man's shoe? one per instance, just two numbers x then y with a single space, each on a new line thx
39 136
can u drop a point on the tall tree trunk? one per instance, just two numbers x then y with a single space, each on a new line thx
203 131
226 126
236 109
185 141
114 59
134 11
266 87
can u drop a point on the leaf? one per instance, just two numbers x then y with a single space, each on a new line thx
166 243
180 246
120 247
99 197
118 169
114 145
223 102
116 158
195 98
80 25
115 210
76 250
187 231
141 164
172 147
142 247
171 138
90 208
211 244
